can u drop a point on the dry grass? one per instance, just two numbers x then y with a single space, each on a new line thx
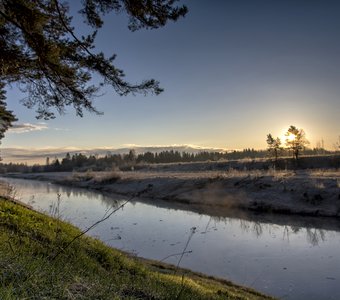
95 177
7 191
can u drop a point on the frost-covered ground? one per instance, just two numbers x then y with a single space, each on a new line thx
307 192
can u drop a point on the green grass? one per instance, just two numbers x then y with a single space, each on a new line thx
88 269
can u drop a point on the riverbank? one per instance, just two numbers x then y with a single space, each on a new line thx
40 258
303 192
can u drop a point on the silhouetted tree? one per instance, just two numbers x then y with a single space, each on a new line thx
274 145
131 157
296 140
66 163
337 144
56 164
6 116
320 147
40 50
79 159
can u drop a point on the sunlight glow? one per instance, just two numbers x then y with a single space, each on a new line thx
284 137
290 137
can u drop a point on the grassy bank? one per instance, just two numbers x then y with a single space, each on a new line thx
33 265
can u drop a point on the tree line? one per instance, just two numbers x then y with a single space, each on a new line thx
131 160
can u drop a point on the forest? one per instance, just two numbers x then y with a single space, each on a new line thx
128 161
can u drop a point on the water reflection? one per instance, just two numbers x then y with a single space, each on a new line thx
280 255
246 221
315 236
296 222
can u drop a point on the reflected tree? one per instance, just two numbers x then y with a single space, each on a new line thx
257 229
315 236
285 233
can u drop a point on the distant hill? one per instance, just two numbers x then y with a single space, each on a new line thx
33 156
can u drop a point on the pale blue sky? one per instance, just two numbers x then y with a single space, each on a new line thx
232 71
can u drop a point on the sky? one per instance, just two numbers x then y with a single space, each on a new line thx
232 72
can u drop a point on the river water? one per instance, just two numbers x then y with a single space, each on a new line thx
287 258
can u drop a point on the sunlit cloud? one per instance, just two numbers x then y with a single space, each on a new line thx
27 127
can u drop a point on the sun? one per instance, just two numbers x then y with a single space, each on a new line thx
290 137
284 137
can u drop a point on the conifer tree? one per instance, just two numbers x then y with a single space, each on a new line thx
296 140
40 50
6 116
274 145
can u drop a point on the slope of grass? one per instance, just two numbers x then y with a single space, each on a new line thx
31 268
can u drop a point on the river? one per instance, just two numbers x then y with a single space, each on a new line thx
289 258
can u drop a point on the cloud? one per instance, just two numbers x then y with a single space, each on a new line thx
27 127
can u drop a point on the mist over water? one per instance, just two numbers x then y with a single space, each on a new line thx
286 259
